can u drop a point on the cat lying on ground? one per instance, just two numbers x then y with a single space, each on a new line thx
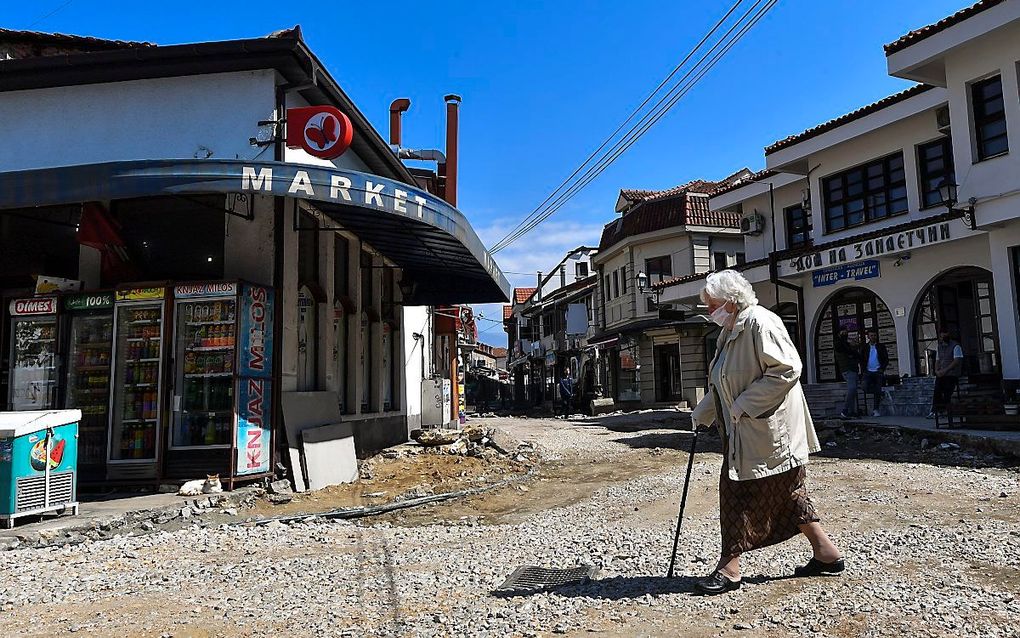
211 485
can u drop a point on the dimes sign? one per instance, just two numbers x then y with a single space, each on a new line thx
23 307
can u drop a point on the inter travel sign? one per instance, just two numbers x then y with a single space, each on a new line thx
890 244
856 271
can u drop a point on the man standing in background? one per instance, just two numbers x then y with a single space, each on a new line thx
874 359
848 360
948 366
566 392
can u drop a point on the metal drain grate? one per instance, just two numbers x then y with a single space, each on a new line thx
530 577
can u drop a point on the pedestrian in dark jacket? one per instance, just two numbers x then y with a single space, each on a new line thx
948 366
874 361
566 392
848 362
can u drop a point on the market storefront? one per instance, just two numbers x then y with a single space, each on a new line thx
180 376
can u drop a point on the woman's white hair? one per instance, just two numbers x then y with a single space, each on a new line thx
729 285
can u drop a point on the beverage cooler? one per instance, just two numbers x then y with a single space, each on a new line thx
32 382
38 463
88 326
222 381
136 405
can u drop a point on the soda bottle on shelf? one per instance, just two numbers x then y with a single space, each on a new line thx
129 405
210 433
139 435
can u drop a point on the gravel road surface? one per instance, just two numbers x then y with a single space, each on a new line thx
932 540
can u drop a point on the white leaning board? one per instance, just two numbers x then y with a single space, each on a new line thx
329 455
303 410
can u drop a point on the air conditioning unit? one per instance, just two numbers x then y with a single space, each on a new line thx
752 224
942 119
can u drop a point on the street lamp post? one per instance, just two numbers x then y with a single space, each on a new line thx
948 191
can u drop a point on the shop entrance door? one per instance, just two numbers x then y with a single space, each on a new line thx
857 311
962 302
668 381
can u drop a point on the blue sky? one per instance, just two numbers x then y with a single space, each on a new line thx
544 82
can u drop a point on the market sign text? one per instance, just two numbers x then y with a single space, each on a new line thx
341 189
356 189
888 244
858 271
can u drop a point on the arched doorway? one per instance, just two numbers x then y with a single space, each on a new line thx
961 301
857 311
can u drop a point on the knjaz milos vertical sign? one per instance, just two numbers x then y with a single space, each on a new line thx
887 244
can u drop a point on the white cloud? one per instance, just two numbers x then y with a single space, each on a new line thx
541 249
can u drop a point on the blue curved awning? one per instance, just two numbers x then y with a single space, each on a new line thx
419 232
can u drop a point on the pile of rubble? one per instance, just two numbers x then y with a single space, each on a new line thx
471 441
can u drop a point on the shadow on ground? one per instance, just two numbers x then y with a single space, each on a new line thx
850 442
708 441
638 421
631 587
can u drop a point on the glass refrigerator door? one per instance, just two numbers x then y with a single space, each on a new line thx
33 379
205 355
88 382
135 404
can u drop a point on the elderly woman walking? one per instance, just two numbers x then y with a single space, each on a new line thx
756 399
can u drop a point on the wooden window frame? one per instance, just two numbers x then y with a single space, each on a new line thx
861 179
984 119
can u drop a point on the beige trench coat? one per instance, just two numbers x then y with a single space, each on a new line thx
761 377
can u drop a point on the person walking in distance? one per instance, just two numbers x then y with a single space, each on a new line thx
848 359
874 360
948 366
756 399
566 392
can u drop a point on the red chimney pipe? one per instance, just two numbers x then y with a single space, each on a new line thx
452 125
397 108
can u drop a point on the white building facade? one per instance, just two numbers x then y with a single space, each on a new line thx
852 227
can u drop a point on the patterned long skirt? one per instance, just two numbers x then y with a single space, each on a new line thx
762 512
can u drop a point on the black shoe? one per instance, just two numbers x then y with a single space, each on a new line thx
716 583
816 567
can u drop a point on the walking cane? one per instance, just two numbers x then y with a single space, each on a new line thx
683 503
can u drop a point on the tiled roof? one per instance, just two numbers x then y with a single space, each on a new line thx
925 32
508 311
62 39
917 89
634 194
740 183
523 294
676 206
638 195
499 352
676 281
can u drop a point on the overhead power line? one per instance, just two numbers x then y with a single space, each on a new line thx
613 135
681 87
647 122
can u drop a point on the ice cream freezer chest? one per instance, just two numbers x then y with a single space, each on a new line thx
38 463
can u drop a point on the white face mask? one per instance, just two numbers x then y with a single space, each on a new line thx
721 316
